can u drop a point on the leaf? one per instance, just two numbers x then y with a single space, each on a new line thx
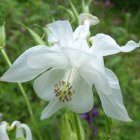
36 37
76 14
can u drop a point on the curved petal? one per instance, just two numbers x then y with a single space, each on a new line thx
93 20
19 131
51 108
3 132
104 45
81 31
21 71
27 131
94 76
94 73
113 104
62 32
47 60
82 99
44 85
80 38
130 46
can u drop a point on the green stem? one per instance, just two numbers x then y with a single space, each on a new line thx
77 126
83 6
108 128
25 97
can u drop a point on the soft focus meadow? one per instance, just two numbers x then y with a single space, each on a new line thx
118 18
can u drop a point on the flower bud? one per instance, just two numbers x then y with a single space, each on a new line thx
2 36
69 128
67 131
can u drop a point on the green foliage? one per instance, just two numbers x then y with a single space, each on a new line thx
122 26
19 139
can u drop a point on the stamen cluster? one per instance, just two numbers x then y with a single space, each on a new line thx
63 91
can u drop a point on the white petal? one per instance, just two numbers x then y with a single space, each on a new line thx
62 32
76 57
113 104
51 108
93 76
52 38
104 45
80 36
93 20
47 60
19 133
81 31
82 99
14 124
3 132
21 71
130 46
27 131
44 85
94 73
81 44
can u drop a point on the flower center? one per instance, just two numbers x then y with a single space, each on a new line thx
64 88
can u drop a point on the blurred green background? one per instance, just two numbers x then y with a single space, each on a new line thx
120 19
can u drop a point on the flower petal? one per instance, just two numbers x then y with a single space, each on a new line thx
62 32
80 38
82 99
48 59
77 57
113 104
51 108
104 45
3 132
44 85
93 20
94 73
130 46
27 131
21 71
81 31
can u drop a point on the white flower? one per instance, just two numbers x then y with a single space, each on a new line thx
21 130
67 71
3 132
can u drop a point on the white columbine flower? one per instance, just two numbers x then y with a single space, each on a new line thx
3 131
22 130
66 72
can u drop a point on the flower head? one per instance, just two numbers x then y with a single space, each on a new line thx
67 71
21 129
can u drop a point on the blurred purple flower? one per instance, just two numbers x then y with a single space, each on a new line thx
94 112
89 116
86 116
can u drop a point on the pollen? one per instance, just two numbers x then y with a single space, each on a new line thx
63 91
